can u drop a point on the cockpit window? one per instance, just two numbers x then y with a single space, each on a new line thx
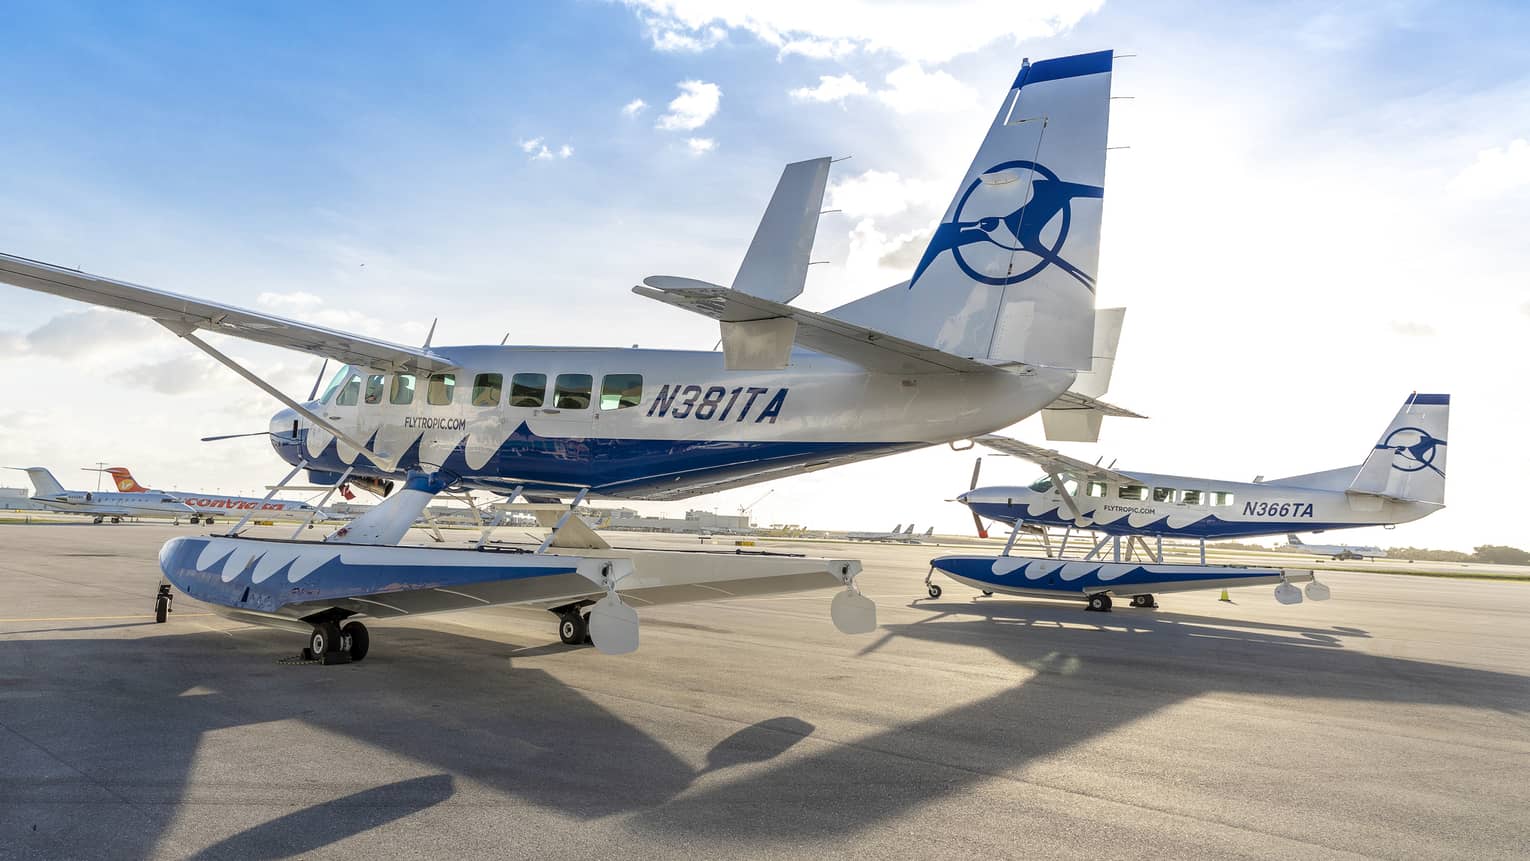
1042 484
334 383
350 392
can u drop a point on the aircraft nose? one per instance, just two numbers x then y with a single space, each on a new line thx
283 428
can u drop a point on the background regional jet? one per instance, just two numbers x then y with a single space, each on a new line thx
103 505
1337 551
208 507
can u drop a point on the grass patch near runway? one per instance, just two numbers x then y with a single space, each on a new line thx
1455 575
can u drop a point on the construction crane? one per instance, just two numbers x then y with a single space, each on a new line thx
744 510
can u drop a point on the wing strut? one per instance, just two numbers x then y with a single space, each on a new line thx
383 462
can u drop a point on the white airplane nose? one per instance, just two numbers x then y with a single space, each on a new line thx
284 427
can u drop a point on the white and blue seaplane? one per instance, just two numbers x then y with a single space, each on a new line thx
1401 479
997 322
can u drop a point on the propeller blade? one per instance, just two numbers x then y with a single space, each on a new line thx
317 381
276 436
978 522
977 467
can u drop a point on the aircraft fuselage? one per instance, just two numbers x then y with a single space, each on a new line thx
648 424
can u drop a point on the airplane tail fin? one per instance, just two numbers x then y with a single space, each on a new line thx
44 481
1408 462
1010 272
909 530
929 532
897 528
1293 540
125 481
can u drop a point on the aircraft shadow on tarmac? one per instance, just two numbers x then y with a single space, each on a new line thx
452 705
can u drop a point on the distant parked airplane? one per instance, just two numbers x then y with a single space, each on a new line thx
101 506
1337 551
208 506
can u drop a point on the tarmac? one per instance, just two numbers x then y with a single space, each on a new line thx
1392 721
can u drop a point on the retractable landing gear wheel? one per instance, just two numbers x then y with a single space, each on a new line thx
359 639
1099 603
934 591
573 629
161 608
1144 601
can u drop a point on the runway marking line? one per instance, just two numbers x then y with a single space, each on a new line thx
94 618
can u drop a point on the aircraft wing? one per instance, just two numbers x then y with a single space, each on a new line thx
182 314
1052 461
872 350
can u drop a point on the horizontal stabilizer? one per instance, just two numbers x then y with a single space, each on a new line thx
776 264
1078 414
872 350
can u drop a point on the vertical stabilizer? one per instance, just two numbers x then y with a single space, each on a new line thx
1408 462
44 482
1010 272
124 480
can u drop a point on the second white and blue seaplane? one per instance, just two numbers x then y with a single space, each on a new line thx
997 322
1401 479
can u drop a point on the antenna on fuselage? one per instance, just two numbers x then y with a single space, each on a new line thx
432 333
503 340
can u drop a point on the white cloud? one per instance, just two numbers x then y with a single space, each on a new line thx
1497 171
831 88
289 302
700 145
910 88
174 376
879 193
1413 329
931 32
539 151
79 333
633 108
697 103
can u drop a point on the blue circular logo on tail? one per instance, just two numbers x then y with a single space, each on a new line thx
999 224
1413 449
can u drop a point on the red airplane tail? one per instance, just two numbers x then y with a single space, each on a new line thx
125 481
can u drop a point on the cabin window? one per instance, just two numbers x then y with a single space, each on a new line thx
334 383
486 389
403 390
350 392
528 390
1070 486
442 387
1192 497
374 388
1219 497
619 391
1132 491
1163 494
1096 488
572 391
1042 484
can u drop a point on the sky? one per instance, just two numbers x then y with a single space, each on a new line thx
1312 210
